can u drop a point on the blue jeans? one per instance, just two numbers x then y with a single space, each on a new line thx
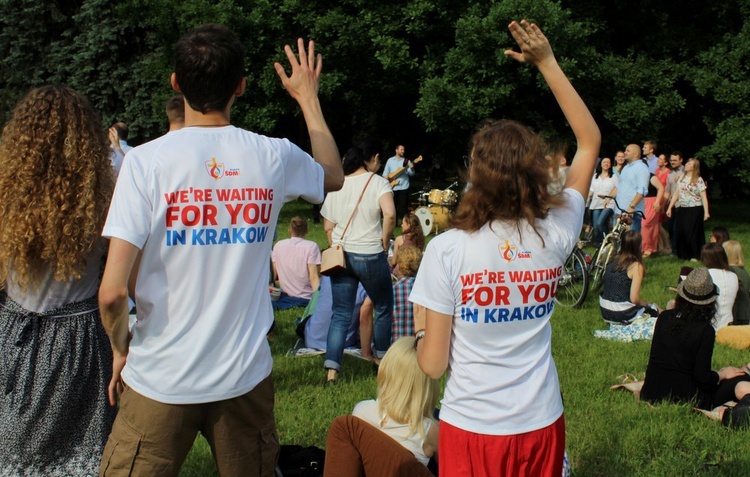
601 218
286 301
373 272
636 225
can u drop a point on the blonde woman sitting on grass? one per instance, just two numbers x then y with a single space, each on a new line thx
406 400
395 434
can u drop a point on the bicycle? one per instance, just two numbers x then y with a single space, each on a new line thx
574 281
607 250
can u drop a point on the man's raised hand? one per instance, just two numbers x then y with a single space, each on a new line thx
304 80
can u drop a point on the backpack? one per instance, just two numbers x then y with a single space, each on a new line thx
298 461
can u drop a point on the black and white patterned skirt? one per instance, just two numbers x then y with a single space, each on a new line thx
54 371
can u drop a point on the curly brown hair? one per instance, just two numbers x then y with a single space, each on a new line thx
56 181
509 176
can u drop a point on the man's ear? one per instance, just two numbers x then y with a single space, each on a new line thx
240 87
173 81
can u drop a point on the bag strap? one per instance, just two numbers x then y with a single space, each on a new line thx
356 207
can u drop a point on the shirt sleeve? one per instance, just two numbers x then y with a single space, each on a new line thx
644 177
131 208
387 169
706 379
432 287
303 177
314 256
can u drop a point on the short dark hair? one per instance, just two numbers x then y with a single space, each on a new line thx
122 130
209 65
176 109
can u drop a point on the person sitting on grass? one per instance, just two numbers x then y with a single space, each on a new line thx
736 416
679 366
719 235
408 260
741 308
715 259
296 262
395 434
620 299
411 234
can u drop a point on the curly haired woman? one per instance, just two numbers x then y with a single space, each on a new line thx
488 288
56 180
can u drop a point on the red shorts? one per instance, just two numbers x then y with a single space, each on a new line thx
535 453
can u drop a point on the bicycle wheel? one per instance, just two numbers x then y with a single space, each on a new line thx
599 265
574 282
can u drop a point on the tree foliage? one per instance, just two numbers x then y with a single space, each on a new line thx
420 72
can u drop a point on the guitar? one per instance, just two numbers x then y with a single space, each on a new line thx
397 173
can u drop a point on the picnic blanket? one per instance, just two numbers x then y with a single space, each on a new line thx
641 328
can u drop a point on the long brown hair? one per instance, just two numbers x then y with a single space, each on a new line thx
630 250
695 174
415 233
56 181
509 177
713 255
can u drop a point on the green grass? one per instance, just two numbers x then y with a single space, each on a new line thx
608 433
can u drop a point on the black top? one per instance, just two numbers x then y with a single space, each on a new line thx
679 367
741 308
652 191
616 288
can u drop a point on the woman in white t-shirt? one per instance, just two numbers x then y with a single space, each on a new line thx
488 288
365 242
602 185
714 257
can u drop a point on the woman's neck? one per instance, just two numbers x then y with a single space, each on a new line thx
360 171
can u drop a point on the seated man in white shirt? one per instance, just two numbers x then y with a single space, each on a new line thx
296 263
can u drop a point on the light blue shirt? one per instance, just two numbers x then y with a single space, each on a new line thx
634 179
403 180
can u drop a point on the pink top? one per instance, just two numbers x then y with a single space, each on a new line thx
291 257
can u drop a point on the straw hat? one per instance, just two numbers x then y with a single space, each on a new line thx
698 288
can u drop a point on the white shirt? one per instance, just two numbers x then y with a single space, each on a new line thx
728 284
602 186
202 204
365 233
500 292
368 411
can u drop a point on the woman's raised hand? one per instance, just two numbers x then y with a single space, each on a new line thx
535 47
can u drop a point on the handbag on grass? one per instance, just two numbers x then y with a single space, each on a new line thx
332 259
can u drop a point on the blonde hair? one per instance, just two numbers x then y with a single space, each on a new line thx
408 259
405 394
56 181
734 253
695 174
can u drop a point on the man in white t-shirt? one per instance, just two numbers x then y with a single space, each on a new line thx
296 263
200 205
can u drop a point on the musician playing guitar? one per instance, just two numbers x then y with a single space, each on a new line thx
398 170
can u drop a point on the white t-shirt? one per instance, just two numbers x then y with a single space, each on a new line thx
728 284
365 233
602 186
202 204
368 411
500 292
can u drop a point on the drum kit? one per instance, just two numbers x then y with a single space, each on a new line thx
435 208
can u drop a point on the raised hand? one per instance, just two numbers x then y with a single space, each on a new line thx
535 47
305 78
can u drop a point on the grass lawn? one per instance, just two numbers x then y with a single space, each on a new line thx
608 433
